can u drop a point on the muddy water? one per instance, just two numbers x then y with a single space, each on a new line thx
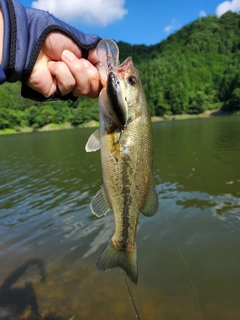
188 253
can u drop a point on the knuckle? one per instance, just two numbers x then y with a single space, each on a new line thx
79 67
82 90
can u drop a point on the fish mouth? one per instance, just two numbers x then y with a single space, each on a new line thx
117 98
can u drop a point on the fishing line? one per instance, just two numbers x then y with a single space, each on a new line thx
131 296
188 270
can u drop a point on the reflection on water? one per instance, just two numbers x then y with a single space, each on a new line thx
50 242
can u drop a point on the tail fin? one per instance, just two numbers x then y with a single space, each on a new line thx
112 257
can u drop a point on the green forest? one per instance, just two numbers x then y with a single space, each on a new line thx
195 69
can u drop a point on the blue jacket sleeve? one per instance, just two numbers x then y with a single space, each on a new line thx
24 33
2 76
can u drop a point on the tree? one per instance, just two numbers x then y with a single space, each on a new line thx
192 70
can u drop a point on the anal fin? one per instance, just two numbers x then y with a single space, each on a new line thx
99 204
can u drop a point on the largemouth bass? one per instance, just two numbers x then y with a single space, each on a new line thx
125 140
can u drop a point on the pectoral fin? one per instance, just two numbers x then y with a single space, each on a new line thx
151 205
99 204
93 143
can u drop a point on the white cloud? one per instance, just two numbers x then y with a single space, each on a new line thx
225 6
202 14
170 27
90 12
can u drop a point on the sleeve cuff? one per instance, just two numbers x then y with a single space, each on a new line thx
15 41
2 76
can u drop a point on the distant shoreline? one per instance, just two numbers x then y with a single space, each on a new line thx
49 127
92 124
185 116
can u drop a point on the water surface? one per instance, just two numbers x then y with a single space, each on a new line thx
50 242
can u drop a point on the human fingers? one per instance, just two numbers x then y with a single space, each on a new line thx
64 78
85 74
92 56
41 79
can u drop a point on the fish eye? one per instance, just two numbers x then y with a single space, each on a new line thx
132 80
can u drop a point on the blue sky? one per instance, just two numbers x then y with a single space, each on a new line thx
133 21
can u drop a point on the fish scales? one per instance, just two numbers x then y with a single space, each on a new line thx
127 159
126 179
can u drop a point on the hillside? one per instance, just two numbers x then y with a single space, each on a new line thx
195 69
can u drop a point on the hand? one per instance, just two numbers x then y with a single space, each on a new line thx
60 63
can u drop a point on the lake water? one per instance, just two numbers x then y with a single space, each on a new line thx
188 253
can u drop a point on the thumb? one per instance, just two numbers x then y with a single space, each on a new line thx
68 57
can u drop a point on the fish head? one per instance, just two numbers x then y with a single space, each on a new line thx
129 75
123 91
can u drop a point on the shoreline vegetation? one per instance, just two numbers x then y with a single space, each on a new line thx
93 124
194 73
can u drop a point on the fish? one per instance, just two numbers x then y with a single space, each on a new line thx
125 141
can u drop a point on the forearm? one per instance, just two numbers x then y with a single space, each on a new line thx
1 34
22 38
